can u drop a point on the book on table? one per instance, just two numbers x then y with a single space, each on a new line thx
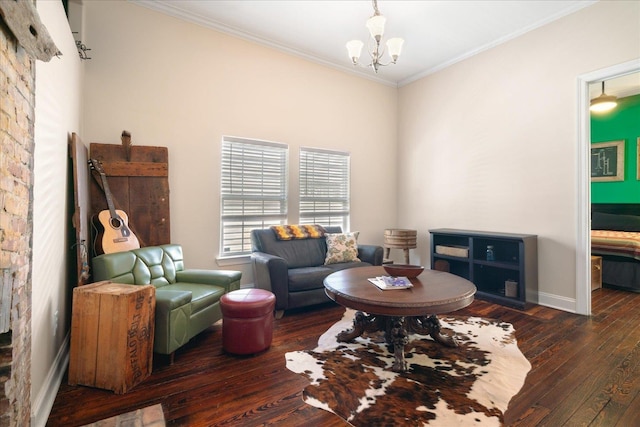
390 282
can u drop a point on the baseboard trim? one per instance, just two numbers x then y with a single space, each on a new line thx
558 302
41 406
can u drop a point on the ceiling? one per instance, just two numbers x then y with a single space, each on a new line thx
620 86
437 33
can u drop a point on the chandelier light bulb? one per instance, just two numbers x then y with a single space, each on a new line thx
354 47
375 24
394 47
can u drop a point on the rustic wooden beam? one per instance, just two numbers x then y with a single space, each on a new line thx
130 169
24 22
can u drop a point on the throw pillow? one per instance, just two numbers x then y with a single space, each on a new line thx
342 248
292 232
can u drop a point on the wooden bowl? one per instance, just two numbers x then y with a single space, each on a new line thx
406 270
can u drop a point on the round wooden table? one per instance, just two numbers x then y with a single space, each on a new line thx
398 312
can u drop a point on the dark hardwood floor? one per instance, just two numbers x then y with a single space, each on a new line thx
585 371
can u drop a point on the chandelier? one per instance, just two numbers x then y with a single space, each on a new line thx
375 24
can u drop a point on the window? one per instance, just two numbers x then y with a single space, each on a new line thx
253 193
324 187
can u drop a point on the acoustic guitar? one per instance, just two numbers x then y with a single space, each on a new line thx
114 234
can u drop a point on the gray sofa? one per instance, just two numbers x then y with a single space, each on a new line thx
294 270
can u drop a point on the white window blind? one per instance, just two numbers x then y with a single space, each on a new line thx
324 187
253 191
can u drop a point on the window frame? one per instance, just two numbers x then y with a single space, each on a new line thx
331 213
247 172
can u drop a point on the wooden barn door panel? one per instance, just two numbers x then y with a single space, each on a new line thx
139 182
149 203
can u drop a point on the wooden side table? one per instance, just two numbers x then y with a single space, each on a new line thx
112 328
596 272
395 238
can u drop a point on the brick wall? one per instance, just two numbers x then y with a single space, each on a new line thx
17 81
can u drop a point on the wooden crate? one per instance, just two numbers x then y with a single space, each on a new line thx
112 328
596 272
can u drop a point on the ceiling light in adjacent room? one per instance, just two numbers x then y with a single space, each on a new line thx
604 102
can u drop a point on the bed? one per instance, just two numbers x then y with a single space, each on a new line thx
615 236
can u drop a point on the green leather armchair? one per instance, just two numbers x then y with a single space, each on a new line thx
187 300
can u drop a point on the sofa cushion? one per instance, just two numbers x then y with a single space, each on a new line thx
297 253
342 247
202 296
117 267
154 266
174 252
306 278
345 265
170 299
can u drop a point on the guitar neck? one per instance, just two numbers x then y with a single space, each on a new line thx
107 195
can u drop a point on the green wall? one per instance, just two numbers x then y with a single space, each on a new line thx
621 123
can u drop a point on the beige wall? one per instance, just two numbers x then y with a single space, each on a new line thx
490 143
57 115
183 86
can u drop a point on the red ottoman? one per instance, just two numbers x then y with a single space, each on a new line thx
247 320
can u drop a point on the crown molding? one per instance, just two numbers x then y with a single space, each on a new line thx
176 12
497 42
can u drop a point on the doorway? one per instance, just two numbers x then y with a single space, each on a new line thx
583 234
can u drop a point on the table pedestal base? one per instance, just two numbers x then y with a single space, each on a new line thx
396 332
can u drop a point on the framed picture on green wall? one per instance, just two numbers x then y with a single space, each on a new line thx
607 161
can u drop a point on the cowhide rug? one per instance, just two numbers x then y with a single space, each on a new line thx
466 386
